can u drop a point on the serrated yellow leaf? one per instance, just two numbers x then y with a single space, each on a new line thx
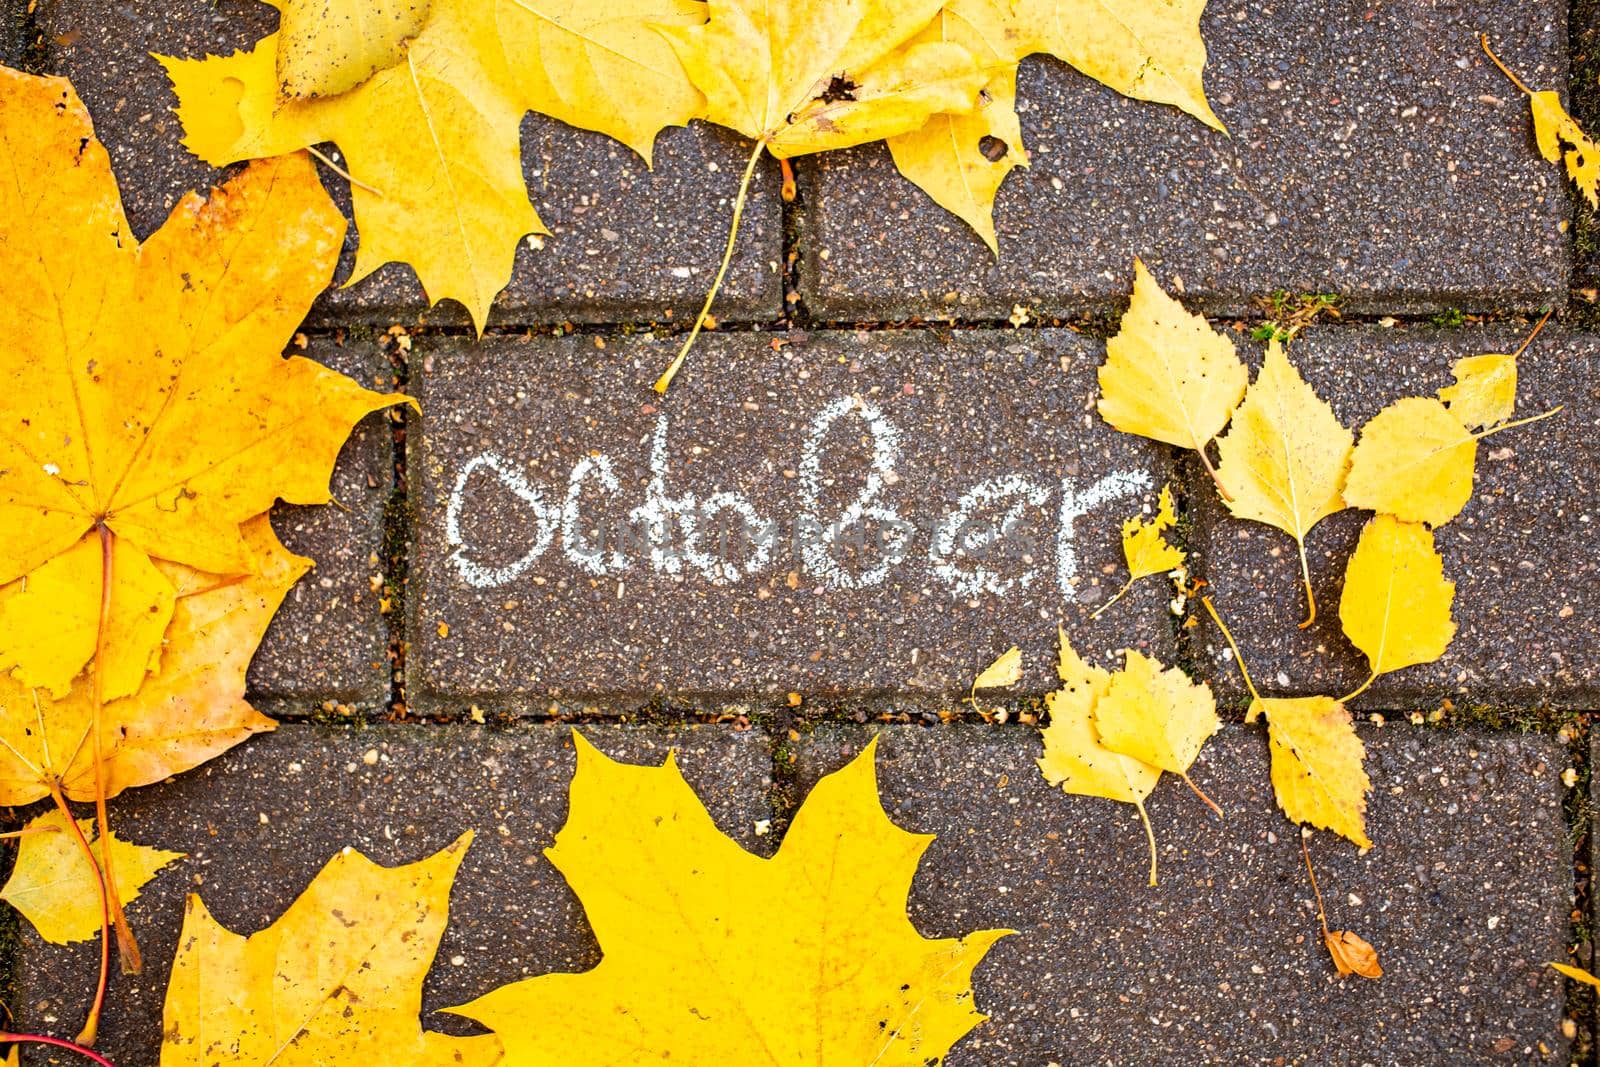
1414 461
1143 544
1005 670
1074 757
815 75
1317 759
190 709
331 46
1553 128
1156 715
54 885
1145 49
1485 393
432 142
805 958
1284 457
336 979
144 398
960 160
1168 375
1396 601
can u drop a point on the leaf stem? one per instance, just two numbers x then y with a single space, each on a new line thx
26 830
1305 573
341 172
55 1042
727 257
1322 916
1519 422
788 189
127 948
1150 835
1483 39
1362 688
91 1025
1528 340
1205 461
1212 804
1237 658
1118 596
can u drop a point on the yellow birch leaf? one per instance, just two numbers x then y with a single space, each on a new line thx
1414 461
960 160
432 142
1168 375
1553 128
331 46
1317 759
54 885
1352 954
1145 49
1485 393
804 958
337 979
145 402
1156 715
1005 670
1074 757
1284 457
1396 601
190 709
1144 545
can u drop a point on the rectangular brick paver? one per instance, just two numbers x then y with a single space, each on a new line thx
964 429
1465 898
259 823
1374 153
628 243
1521 553
329 641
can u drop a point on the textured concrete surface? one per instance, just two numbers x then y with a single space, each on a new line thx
1465 897
329 640
1521 553
260 822
628 244
13 32
503 610
1374 153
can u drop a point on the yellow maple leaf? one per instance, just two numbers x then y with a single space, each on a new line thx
336 979
1485 392
1168 375
1317 771
1396 601
960 159
1146 49
330 46
1284 457
55 886
146 411
1157 716
1553 128
1146 549
431 141
1074 757
190 709
804 958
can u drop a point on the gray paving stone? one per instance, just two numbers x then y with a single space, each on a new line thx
329 640
1465 897
259 822
505 614
1521 553
628 244
13 32
1374 153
